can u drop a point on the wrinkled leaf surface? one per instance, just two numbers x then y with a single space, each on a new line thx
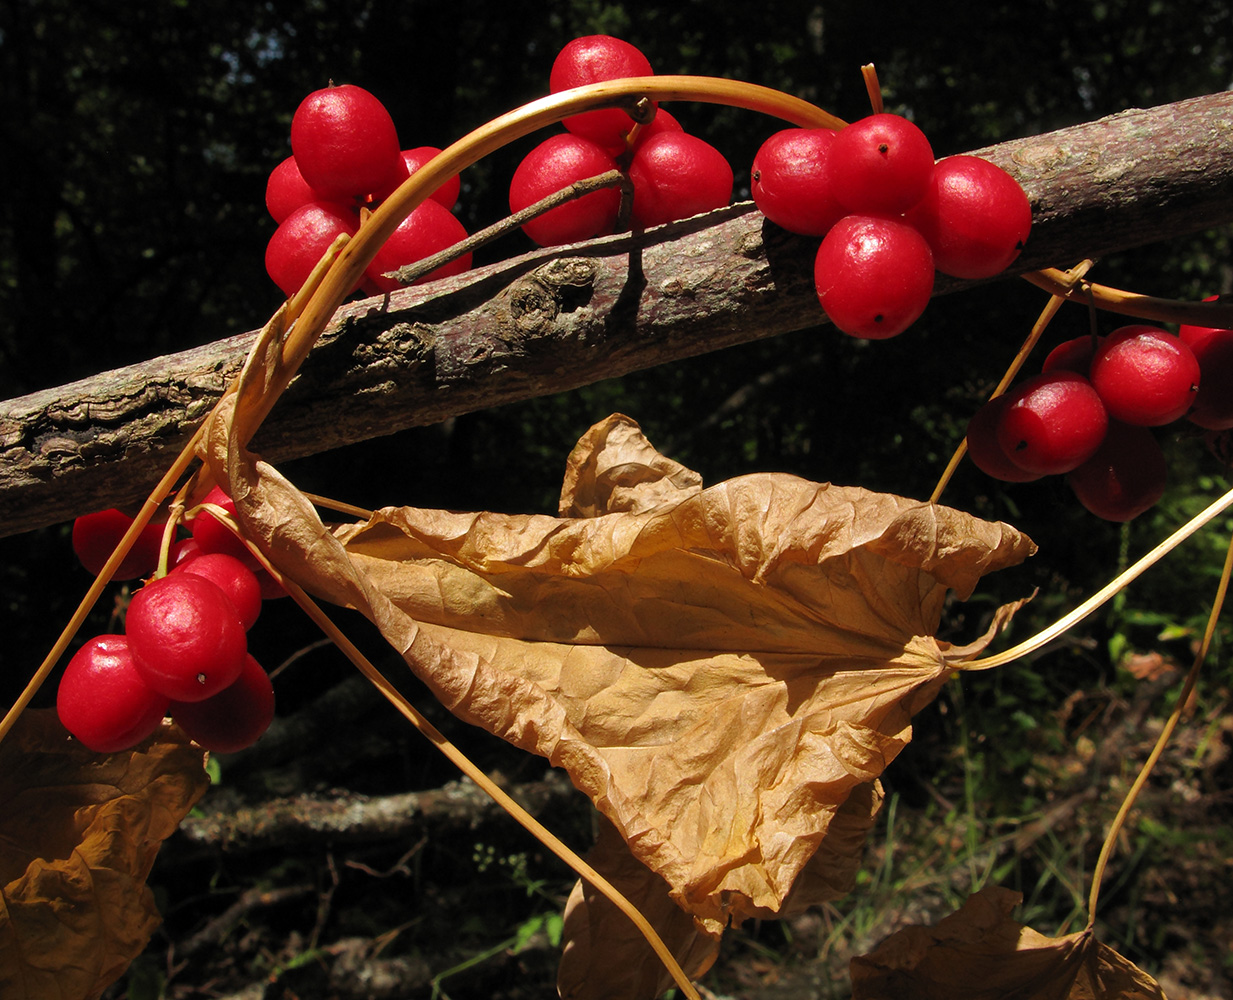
981 953
78 834
716 668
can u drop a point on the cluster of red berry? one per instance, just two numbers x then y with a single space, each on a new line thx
673 174
888 216
184 650
345 156
1088 414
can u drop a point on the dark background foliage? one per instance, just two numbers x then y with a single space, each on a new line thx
135 141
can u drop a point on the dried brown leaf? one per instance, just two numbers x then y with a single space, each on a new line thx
716 668
981 953
78 834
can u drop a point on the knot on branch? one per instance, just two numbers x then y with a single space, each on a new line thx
559 286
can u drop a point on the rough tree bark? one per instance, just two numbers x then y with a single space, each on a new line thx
557 319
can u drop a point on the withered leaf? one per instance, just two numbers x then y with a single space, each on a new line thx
606 958
78 834
981 953
716 668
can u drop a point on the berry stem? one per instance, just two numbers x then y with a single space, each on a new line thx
611 178
1106 849
1115 300
870 75
339 506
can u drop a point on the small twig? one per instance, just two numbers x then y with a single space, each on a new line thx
872 87
409 273
1117 300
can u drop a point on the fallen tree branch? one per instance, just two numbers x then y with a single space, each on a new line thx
348 818
557 319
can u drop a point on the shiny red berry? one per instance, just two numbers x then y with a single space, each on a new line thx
212 535
1145 375
345 143
676 175
1125 477
873 275
233 719
103 700
446 195
789 181
986 451
594 59
974 215
553 165
302 238
428 230
232 577
1074 355
1052 423
1213 404
95 537
881 164
286 190
186 637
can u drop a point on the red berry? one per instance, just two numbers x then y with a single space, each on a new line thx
286 190
271 589
1145 375
554 164
96 535
975 216
413 159
234 718
593 59
102 699
302 238
676 175
211 535
426 231
881 164
874 276
345 142
1052 423
1126 475
1192 335
182 550
233 578
186 637
1073 355
662 122
984 448
1213 404
790 184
